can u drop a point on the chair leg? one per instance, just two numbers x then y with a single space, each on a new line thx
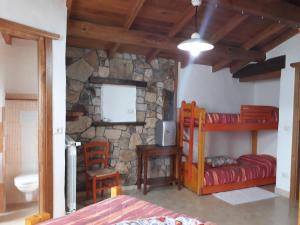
94 190
102 191
87 186
117 179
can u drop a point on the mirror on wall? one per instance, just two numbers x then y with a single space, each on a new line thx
118 103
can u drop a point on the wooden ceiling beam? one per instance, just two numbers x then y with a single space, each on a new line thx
282 11
132 15
272 29
7 38
150 40
188 15
266 67
227 28
282 38
220 65
254 41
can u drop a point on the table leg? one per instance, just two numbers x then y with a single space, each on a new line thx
179 170
172 168
139 171
145 159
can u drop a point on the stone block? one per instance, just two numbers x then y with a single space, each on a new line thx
150 122
73 127
92 59
90 133
141 107
112 134
75 85
148 75
102 53
121 68
72 96
80 70
127 156
103 71
100 131
150 97
96 101
135 140
140 116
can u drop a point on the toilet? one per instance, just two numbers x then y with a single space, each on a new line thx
28 184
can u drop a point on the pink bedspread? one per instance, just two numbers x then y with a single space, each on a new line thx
111 211
249 167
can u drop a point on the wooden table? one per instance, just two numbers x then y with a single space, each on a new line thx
146 152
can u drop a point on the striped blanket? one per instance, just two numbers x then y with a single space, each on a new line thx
111 211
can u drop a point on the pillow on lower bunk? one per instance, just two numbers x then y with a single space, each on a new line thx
217 161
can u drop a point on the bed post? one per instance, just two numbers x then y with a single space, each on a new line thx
254 142
201 152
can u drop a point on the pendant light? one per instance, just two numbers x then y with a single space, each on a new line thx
195 45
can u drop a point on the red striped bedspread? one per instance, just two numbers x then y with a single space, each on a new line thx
112 211
230 118
249 167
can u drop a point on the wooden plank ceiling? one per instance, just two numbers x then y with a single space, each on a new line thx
242 31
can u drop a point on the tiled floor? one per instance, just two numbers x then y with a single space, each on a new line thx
15 214
277 211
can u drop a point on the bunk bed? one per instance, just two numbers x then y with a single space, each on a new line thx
251 170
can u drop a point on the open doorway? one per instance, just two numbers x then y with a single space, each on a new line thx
41 101
20 125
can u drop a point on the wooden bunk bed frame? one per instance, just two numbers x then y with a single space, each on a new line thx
193 174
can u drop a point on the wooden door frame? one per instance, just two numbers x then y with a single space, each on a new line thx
44 40
295 136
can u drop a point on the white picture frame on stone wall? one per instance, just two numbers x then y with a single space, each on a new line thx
118 103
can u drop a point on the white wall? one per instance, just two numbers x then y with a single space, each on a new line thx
291 49
50 16
217 92
267 93
19 63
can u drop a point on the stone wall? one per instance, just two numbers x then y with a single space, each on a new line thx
155 102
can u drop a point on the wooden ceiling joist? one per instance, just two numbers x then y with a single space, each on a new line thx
150 40
227 28
132 15
188 15
7 38
254 41
266 67
279 11
282 38
272 29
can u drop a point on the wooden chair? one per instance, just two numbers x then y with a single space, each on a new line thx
97 154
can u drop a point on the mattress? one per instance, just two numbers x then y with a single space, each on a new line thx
112 211
249 167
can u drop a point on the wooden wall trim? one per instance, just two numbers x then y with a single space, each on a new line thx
22 31
18 96
295 136
45 130
45 126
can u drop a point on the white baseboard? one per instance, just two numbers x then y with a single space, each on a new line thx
282 193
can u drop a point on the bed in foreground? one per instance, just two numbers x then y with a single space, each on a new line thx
115 210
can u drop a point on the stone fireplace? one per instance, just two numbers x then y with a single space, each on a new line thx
154 102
